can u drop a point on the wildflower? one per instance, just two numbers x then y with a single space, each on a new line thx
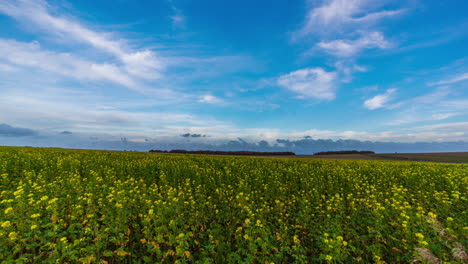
13 235
339 238
6 224
296 240
119 205
8 210
345 243
35 215
63 239
247 221
246 236
181 235
419 235
33 227
328 258
449 219
151 211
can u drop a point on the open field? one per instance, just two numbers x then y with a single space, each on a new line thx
452 157
82 206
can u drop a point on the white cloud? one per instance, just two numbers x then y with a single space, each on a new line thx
144 64
456 126
380 100
442 116
31 55
348 48
458 78
209 99
60 110
335 14
7 67
178 20
346 70
310 82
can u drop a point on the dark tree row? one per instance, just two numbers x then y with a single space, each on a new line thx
344 152
215 152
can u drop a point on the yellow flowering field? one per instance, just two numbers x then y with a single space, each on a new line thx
82 206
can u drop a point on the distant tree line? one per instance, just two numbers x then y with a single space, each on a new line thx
344 152
216 152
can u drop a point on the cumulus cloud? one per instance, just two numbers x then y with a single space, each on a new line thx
380 100
311 83
348 48
10 131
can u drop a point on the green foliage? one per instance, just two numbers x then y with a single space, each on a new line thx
80 206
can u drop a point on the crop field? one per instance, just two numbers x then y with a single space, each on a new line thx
82 206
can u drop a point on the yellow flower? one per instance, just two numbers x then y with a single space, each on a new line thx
419 235
13 235
296 240
328 258
6 224
247 221
151 211
8 210
449 219
345 243
246 236
35 215
339 238
33 227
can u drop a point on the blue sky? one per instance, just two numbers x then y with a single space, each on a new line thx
150 71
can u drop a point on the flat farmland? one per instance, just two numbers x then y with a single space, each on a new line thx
450 157
83 206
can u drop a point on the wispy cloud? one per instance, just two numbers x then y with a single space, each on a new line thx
141 63
348 48
457 78
455 126
334 15
313 83
380 101
32 55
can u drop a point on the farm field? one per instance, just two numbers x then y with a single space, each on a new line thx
450 157
83 206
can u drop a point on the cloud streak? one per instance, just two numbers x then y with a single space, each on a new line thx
350 48
143 63
66 64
